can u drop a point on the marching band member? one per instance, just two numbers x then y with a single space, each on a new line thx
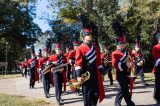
25 67
72 57
138 63
58 77
48 77
38 58
156 69
88 59
105 57
119 62
66 54
32 66
21 68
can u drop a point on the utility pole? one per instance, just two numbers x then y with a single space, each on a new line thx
6 58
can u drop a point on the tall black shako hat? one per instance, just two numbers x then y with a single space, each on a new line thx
119 31
138 37
157 35
39 52
85 25
32 51
58 42
48 46
137 41
67 46
75 42
106 46
88 26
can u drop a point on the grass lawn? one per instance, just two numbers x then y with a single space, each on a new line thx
11 100
10 76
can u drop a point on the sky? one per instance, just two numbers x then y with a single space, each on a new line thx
42 11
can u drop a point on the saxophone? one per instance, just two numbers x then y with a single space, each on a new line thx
47 69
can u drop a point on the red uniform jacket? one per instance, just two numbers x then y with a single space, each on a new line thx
71 57
156 55
81 52
72 54
105 58
36 78
118 56
43 61
54 58
66 55
21 65
25 63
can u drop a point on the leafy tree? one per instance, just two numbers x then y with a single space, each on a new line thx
146 13
16 28
100 12
137 17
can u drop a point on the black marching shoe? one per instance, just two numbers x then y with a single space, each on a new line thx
58 102
158 102
145 84
33 87
117 104
78 94
111 83
47 95
61 100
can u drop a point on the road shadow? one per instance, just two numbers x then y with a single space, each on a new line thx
38 88
110 95
68 92
149 105
71 100
147 81
110 89
143 87
66 99
52 95
141 92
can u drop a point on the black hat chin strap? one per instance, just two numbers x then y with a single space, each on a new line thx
89 44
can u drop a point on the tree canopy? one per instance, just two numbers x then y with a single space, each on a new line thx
17 28
105 12
138 18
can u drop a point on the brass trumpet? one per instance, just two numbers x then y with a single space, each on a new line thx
75 85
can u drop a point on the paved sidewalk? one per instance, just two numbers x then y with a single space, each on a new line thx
142 96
